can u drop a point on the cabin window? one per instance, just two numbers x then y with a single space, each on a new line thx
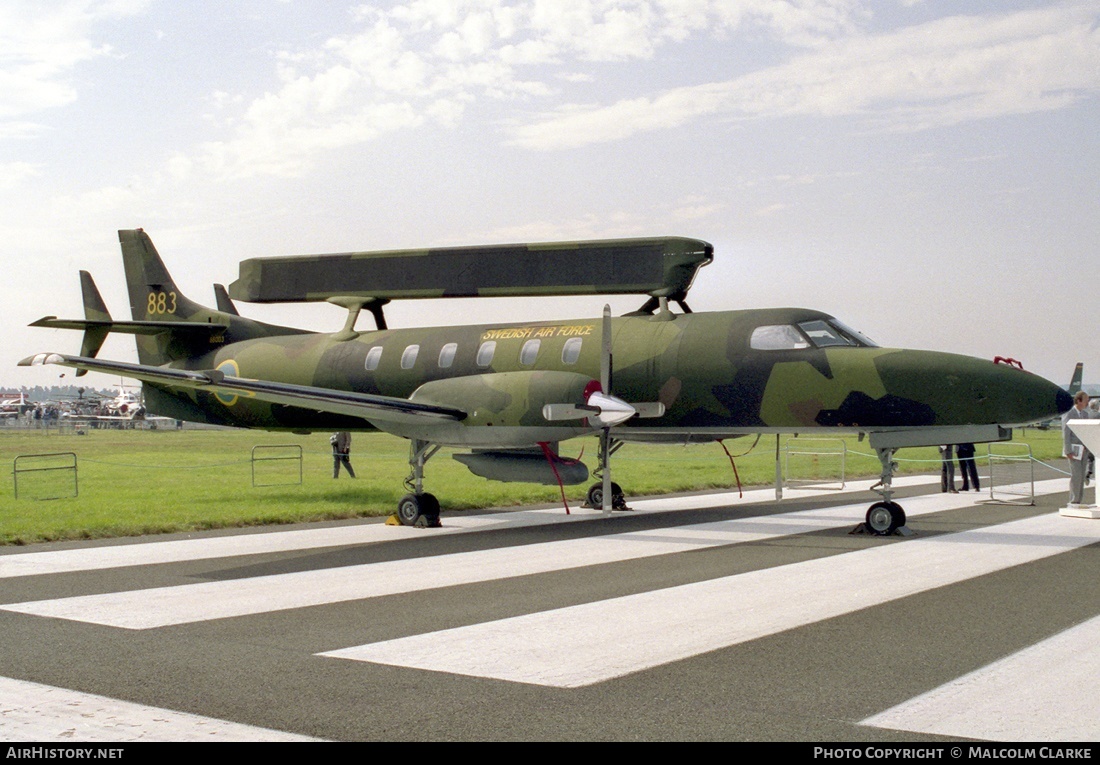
408 358
529 352
447 355
374 355
572 350
777 337
485 353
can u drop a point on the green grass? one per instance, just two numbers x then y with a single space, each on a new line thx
145 482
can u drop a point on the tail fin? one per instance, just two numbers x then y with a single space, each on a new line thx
153 294
1075 381
154 297
167 325
183 328
225 303
98 317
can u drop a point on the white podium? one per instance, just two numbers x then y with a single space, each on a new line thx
1089 433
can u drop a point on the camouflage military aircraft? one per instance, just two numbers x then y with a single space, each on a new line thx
512 392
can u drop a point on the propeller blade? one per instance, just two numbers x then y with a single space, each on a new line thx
650 409
605 352
554 412
605 451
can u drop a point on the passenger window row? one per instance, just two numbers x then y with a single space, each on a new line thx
528 354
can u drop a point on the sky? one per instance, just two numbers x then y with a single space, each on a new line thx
928 172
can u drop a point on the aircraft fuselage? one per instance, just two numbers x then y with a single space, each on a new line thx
717 374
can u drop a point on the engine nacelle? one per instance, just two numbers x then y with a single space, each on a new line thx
508 399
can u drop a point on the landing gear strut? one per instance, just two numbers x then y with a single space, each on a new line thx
418 508
595 496
886 517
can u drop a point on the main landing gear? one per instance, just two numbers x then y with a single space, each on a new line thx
886 517
418 508
594 497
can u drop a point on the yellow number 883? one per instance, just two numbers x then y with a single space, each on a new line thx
161 302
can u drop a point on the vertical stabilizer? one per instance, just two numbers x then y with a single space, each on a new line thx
156 300
1075 381
95 310
225 303
155 297
153 294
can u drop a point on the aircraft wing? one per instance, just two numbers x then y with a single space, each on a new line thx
376 409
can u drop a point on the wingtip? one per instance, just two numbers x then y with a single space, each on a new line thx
41 359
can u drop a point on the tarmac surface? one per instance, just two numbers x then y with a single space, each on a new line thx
701 617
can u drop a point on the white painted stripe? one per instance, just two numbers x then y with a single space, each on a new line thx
1046 692
590 643
180 604
41 713
210 547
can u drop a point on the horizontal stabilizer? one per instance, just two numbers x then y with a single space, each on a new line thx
133 327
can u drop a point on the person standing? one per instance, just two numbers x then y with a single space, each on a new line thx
341 453
1074 450
947 469
967 467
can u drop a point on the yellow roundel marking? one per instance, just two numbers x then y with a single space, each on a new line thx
229 369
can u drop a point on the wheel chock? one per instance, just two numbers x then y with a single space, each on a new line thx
901 531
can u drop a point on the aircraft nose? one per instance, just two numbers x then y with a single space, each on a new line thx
1064 401
961 390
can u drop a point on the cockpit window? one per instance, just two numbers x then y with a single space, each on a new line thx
777 337
859 337
807 334
822 335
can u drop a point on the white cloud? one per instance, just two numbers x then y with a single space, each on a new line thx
427 60
40 46
940 73
13 173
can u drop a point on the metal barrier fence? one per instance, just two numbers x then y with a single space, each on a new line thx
280 453
822 461
45 467
1011 473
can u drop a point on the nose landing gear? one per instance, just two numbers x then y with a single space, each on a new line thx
886 517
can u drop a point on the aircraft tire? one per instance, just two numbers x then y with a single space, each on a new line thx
594 498
409 509
884 518
429 508
418 510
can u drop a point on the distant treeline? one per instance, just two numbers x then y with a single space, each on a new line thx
58 392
